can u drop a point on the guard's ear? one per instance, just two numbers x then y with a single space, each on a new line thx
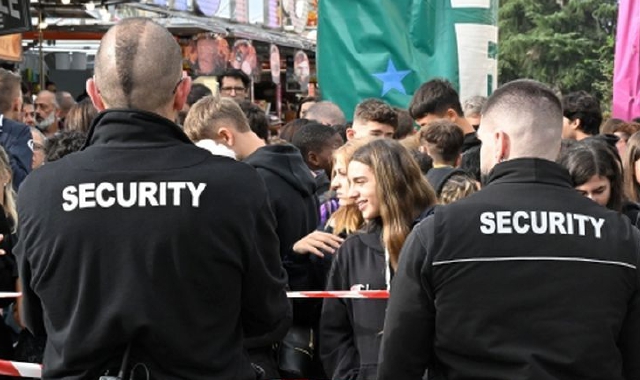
94 94
182 91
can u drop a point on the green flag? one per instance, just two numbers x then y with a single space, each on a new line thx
387 48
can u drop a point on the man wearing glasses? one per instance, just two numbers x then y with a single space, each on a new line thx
234 84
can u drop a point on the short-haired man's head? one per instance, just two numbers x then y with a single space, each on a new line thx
257 118
211 113
443 140
523 118
316 143
472 108
435 99
234 83
373 117
326 113
10 90
138 65
582 112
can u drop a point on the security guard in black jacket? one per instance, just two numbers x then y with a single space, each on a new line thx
144 240
526 279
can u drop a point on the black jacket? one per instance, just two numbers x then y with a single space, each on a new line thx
14 138
292 197
526 279
183 271
351 329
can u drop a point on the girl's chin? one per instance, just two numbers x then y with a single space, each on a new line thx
345 202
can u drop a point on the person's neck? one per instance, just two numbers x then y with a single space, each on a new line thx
52 130
581 135
249 142
465 125
10 114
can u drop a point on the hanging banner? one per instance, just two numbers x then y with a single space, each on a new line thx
274 61
295 15
626 74
14 16
11 47
244 57
207 55
388 49
301 70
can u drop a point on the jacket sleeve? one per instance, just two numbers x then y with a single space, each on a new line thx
407 344
266 312
338 351
20 155
630 332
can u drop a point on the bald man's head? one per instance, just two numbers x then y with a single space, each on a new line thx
138 65
523 118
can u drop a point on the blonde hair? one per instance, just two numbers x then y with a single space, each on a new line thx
9 201
347 219
402 189
457 187
210 113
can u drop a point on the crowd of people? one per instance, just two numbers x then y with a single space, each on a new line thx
159 226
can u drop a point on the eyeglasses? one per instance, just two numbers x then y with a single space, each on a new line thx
177 84
228 90
34 146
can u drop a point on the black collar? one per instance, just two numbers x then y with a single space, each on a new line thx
530 170
123 126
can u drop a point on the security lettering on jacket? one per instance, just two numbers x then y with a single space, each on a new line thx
540 223
139 194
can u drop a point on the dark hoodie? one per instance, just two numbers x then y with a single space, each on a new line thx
291 190
351 329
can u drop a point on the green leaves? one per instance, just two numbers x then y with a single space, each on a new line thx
568 44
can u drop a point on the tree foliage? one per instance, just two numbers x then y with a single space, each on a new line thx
568 44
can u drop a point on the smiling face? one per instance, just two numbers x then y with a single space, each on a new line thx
363 190
340 181
597 188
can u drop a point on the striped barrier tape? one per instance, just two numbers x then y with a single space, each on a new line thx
367 294
19 369
374 294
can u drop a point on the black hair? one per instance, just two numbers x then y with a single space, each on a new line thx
235 73
581 105
63 143
198 91
470 162
342 129
424 160
312 137
291 128
308 99
590 157
257 119
435 97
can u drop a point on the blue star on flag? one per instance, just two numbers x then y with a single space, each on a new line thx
392 79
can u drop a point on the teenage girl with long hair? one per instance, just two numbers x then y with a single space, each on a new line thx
389 190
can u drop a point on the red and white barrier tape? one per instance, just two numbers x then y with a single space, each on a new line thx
20 369
10 294
367 294
375 294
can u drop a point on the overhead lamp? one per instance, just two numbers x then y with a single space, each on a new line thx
66 2
90 6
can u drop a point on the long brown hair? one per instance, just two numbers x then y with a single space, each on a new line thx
402 190
631 187
9 201
347 219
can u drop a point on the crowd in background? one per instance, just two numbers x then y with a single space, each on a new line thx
346 194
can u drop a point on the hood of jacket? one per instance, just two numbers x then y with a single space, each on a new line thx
285 161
